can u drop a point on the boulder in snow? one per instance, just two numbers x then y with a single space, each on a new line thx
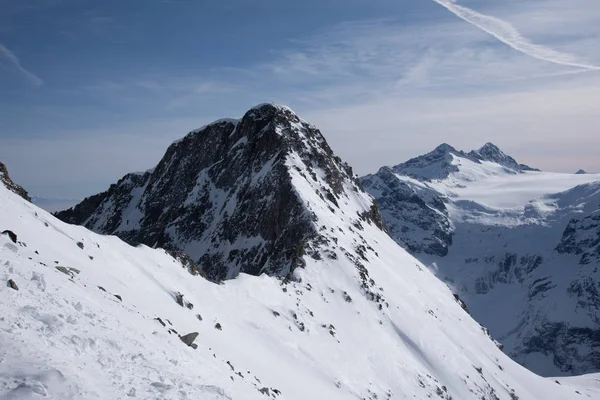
11 284
11 235
189 338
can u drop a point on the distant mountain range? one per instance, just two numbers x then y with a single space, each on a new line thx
520 246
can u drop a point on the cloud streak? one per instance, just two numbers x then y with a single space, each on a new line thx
509 35
14 60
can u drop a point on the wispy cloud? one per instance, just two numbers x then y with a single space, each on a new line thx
508 34
9 56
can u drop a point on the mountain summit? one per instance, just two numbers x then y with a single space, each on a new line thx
520 247
235 195
492 153
445 160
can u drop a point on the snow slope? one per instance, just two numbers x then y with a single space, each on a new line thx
320 336
518 248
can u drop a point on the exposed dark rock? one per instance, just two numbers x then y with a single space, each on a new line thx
187 262
101 288
462 304
179 299
11 235
80 245
10 185
347 297
68 271
11 284
199 317
218 326
189 338
160 321
416 217
582 237
574 349
118 297
213 189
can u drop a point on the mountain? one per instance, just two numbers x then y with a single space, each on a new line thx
519 246
226 195
10 185
492 153
580 172
416 215
445 160
94 318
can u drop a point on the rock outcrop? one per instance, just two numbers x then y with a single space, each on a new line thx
13 187
231 195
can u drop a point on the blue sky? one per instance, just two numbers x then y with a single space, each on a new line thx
91 90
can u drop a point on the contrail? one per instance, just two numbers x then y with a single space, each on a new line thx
508 34
10 56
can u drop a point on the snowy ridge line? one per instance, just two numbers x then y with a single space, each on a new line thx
233 121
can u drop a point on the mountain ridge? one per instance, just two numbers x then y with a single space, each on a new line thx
8 183
519 247
196 200
442 161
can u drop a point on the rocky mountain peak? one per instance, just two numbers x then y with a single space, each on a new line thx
491 152
581 172
13 187
444 148
437 164
237 196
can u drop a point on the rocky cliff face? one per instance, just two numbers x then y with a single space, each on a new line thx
416 216
232 195
13 187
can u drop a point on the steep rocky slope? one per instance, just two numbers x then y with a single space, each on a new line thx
10 185
86 316
226 195
518 245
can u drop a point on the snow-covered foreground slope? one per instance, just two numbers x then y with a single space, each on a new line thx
67 335
519 246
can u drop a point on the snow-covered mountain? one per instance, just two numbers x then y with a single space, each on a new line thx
518 245
228 196
86 316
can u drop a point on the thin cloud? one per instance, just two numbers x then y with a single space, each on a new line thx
509 35
14 60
